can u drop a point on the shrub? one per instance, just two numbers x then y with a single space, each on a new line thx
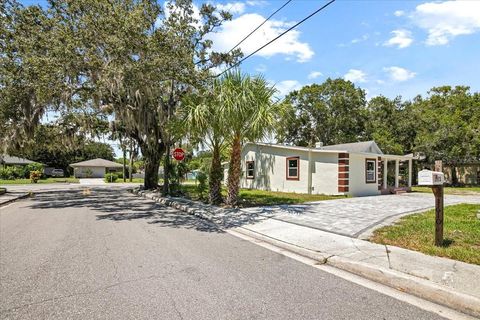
35 175
11 173
202 184
111 177
32 167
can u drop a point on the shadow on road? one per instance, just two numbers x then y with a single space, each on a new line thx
120 206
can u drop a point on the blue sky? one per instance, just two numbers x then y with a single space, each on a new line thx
386 47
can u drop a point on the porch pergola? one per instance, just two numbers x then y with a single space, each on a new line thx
385 158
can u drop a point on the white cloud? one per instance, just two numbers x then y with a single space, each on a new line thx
361 39
257 2
401 38
235 30
446 20
314 74
355 75
399 74
287 86
399 13
233 7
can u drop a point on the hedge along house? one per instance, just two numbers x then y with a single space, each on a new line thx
357 169
95 168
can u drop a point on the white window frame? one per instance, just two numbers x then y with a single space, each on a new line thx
367 172
252 176
289 177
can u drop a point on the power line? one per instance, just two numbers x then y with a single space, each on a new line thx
277 37
259 26
253 31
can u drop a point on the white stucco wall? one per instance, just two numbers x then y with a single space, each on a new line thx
271 166
96 172
325 173
358 186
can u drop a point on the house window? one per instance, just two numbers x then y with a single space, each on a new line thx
250 169
293 168
370 171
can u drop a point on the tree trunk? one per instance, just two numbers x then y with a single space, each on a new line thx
166 171
215 179
130 166
124 164
234 171
454 175
152 157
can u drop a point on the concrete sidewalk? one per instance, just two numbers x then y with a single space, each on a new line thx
445 281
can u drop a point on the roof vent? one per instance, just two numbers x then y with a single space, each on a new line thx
319 145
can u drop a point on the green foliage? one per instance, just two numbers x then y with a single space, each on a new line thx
34 167
28 87
449 125
202 184
111 177
35 176
249 113
384 124
12 173
332 112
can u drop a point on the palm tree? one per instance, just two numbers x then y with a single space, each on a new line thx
248 112
202 116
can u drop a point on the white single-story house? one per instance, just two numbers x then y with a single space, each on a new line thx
95 168
357 169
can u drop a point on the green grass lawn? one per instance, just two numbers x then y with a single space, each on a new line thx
417 232
252 198
450 190
47 180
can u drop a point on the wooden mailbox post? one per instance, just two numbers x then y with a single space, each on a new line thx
435 180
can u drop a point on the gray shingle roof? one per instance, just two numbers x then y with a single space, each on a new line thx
97 163
6 159
365 146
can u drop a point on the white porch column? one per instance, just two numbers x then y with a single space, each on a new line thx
409 172
397 172
309 180
385 165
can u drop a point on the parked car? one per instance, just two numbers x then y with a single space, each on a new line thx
57 173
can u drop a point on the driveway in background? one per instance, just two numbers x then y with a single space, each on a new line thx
92 181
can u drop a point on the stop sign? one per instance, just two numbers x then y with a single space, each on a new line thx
178 154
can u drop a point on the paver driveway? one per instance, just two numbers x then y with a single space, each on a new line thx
355 217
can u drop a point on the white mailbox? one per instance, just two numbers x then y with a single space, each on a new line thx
430 178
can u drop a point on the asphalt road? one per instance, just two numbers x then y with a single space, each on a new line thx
103 254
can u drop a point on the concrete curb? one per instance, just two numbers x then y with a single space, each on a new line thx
23 196
403 282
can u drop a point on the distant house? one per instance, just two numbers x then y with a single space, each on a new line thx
7 160
357 169
95 168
